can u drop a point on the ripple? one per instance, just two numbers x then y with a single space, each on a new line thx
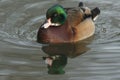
6 72
21 55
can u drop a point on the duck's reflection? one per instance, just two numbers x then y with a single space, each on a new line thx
56 64
58 54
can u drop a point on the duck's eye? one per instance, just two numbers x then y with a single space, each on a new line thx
55 15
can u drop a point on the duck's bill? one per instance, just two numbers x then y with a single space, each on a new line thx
48 23
45 25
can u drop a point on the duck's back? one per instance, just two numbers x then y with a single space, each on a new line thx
75 16
81 28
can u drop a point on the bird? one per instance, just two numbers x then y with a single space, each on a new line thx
67 25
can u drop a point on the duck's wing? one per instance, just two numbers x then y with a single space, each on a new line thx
66 9
75 16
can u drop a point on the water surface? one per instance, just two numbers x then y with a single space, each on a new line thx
21 56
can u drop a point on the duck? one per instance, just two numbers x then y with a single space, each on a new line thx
67 25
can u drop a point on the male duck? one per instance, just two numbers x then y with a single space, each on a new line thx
65 25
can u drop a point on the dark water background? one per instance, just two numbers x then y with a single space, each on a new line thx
21 56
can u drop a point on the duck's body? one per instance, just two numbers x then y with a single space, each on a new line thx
75 28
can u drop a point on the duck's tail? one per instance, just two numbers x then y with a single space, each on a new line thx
89 13
95 12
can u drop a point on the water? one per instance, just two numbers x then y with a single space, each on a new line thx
21 56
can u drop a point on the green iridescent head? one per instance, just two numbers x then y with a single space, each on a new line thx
57 14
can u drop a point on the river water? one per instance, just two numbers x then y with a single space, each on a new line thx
21 56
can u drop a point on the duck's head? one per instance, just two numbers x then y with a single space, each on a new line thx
55 16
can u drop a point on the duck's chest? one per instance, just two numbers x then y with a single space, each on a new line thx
59 34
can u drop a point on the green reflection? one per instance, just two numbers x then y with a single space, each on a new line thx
58 64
